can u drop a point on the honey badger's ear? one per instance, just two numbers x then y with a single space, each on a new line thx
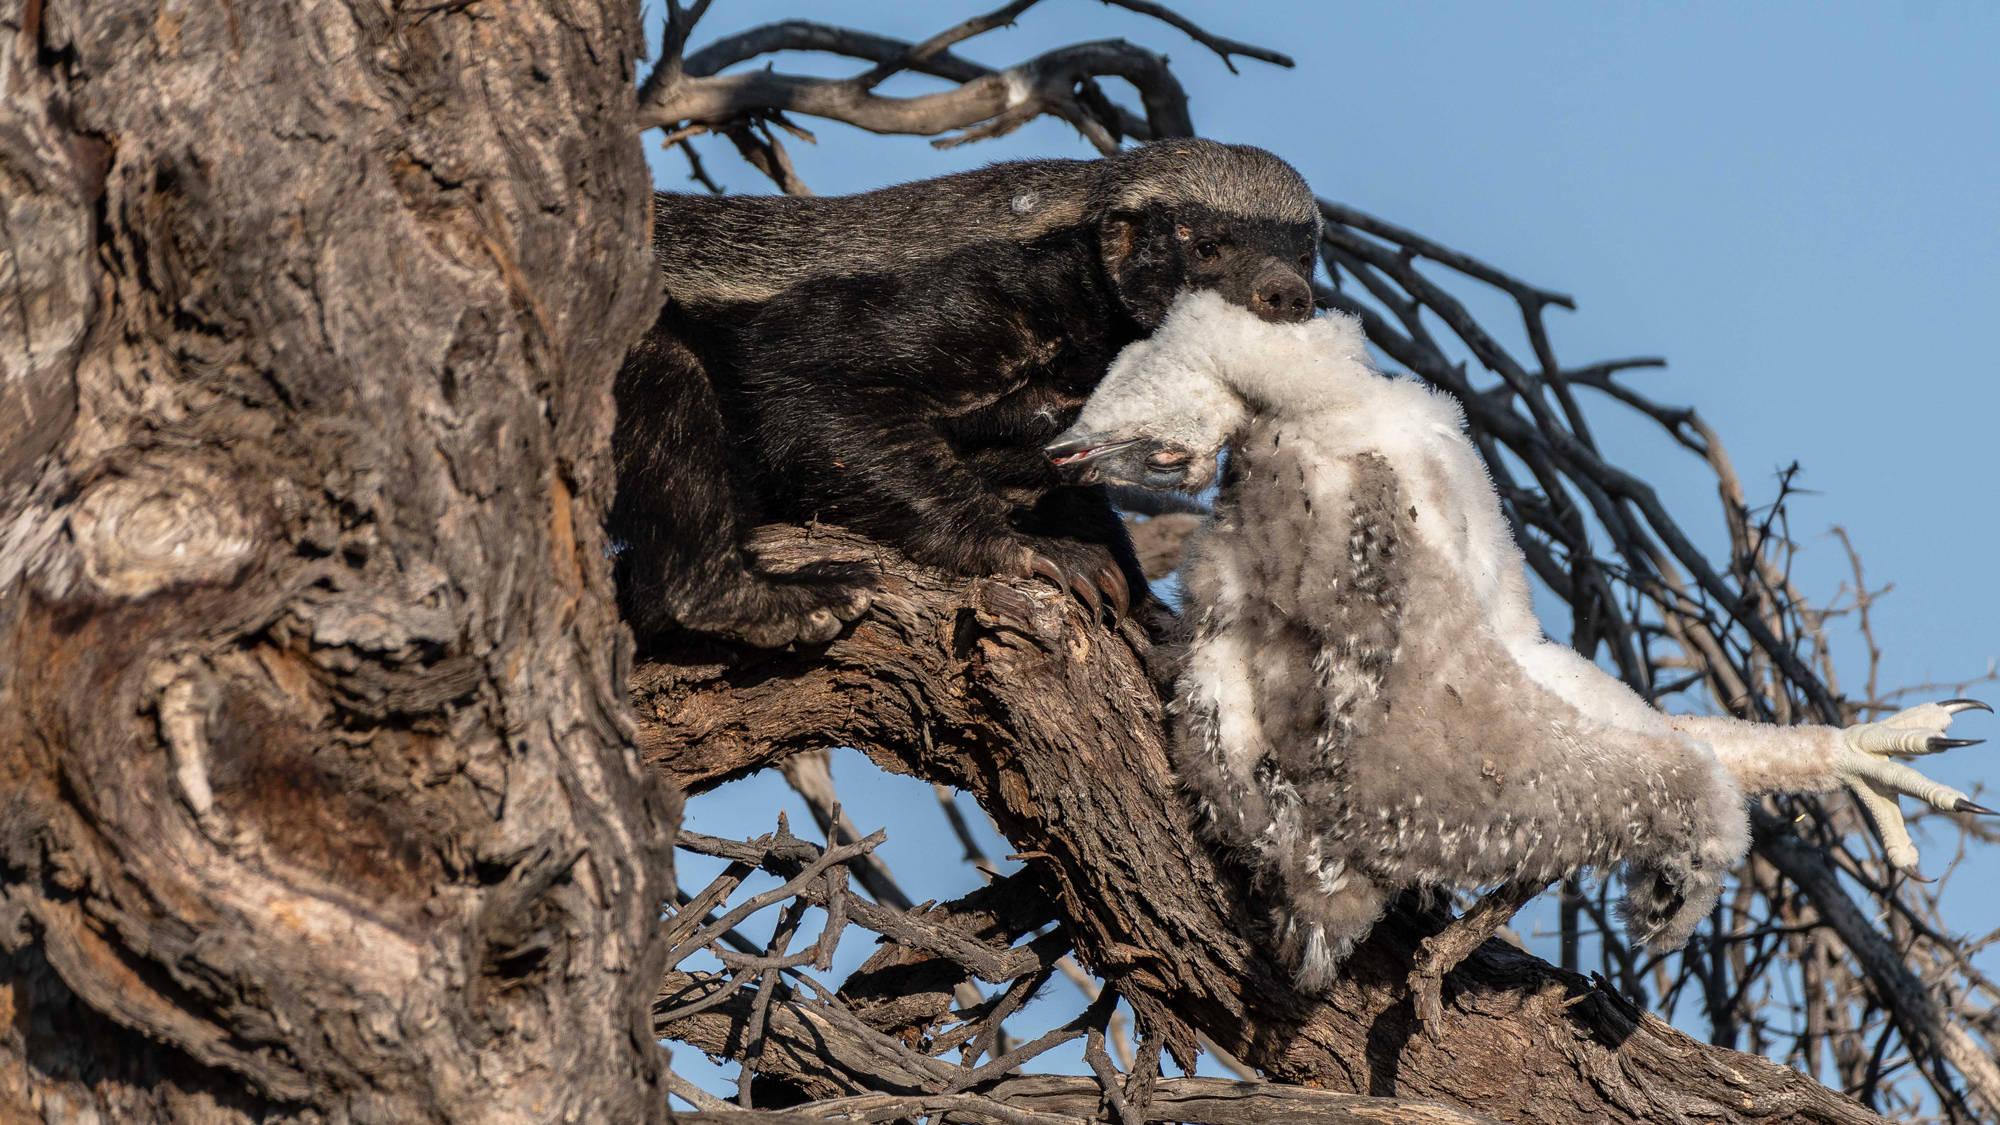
1144 274
1118 237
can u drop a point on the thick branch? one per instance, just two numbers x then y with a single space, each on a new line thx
988 104
1004 690
1054 1099
692 95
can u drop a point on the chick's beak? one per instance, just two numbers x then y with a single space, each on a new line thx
1075 454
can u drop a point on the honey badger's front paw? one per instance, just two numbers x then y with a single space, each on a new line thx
1086 571
1871 770
809 605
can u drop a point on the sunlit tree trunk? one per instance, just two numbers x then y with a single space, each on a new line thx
317 797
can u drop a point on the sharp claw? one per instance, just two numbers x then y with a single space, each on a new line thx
1956 705
1087 593
1096 584
1911 872
1041 566
1968 806
1116 591
1936 743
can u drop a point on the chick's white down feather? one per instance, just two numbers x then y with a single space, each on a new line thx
1368 703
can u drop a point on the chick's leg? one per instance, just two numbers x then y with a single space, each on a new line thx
1866 758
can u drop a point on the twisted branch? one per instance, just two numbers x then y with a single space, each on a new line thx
688 95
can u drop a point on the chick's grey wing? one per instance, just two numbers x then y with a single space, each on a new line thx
1298 603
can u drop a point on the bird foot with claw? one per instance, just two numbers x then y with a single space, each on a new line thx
1873 769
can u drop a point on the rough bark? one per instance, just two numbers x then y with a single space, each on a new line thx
316 799
1006 691
1052 1100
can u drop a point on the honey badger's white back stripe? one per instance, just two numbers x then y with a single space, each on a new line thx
748 248
1233 179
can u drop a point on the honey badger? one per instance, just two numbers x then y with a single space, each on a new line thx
894 361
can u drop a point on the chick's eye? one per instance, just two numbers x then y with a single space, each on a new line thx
1167 459
1206 251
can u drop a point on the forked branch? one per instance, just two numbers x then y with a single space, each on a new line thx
690 94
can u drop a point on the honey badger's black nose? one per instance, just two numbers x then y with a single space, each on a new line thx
1281 296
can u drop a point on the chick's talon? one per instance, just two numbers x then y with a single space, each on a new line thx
1877 778
1883 812
1913 732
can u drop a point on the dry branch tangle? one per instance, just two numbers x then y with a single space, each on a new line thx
1052 723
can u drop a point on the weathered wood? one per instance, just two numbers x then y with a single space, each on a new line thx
1006 691
1074 1101
316 800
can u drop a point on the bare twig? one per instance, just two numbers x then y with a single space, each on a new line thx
1224 48
811 776
921 53
792 887
1442 952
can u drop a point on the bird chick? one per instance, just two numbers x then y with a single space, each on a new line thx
1368 704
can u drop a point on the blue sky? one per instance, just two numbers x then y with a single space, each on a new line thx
1797 204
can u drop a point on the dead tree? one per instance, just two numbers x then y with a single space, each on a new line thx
323 794
319 799
1003 691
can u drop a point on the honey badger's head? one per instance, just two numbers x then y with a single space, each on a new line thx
1192 214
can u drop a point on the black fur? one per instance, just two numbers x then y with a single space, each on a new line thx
894 362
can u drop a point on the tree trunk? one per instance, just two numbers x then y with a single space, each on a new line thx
1005 690
317 798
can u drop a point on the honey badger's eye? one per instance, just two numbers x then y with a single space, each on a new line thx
1206 251
1306 259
